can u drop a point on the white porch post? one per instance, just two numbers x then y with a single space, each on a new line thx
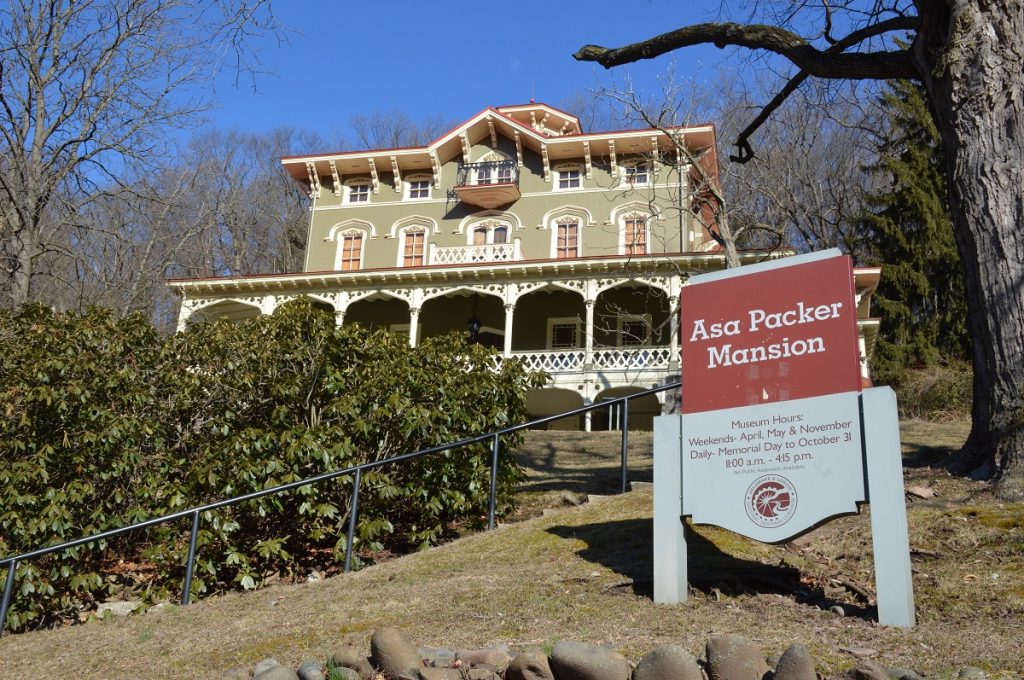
673 329
588 339
339 317
588 416
414 322
509 316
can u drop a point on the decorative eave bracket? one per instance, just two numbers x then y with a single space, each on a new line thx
611 154
494 135
397 174
335 179
374 180
547 162
464 138
314 180
435 166
586 160
519 148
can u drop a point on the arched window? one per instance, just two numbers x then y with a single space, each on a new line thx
634 230
567 238
350 250
412 246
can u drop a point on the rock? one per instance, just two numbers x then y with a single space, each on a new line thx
116 608
903 674
491 657
570 498
310 670
482 674
277 673
529 666
578 661
795 664
921 491
734 657
866 670
264 665
431 673
162 606
393 653
238 673
345 673
352 658
837 610
972 673
436 656
667 662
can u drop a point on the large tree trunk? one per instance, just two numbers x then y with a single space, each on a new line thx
970 63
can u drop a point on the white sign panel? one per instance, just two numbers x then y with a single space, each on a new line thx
772 471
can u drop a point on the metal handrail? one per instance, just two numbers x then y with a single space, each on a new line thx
194 513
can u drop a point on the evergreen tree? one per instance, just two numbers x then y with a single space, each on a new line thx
909 232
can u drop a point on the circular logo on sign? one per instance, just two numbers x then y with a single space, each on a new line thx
770 501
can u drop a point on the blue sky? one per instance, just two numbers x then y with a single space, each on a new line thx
446 59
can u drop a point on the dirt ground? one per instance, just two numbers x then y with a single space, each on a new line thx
556 571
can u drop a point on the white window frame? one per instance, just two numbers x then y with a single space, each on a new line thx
623 319
412 179
565 219
340 236
563 321
349 193
402 233
490 225
563 168
629 172
632 215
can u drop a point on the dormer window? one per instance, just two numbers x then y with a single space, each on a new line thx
418 187
357 191
568 176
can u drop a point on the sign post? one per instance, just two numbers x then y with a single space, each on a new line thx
771 440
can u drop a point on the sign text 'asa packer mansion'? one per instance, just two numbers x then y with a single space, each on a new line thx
562 248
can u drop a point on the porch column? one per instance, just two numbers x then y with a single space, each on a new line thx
588 338
509 315
588 416
673 329
339 317
414 322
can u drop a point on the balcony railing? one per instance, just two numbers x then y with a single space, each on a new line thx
489 184
490 252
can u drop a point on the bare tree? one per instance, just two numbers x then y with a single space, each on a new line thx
88 88
967 57
394 129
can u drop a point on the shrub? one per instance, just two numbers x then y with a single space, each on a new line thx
112 426
939 392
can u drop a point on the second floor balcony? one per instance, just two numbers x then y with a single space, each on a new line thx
489 184
488 252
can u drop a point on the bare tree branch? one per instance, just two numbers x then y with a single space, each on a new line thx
823 64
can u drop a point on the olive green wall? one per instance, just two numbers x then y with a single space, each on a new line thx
599 195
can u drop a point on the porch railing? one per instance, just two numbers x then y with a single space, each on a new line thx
488 172
194 515
632 357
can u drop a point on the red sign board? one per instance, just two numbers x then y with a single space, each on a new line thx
769 332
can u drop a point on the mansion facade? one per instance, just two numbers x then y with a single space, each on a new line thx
561 248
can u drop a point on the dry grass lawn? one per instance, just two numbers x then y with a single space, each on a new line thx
584 573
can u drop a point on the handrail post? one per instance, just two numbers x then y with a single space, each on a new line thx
494 481
12 566
186 595
625 442
352 519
